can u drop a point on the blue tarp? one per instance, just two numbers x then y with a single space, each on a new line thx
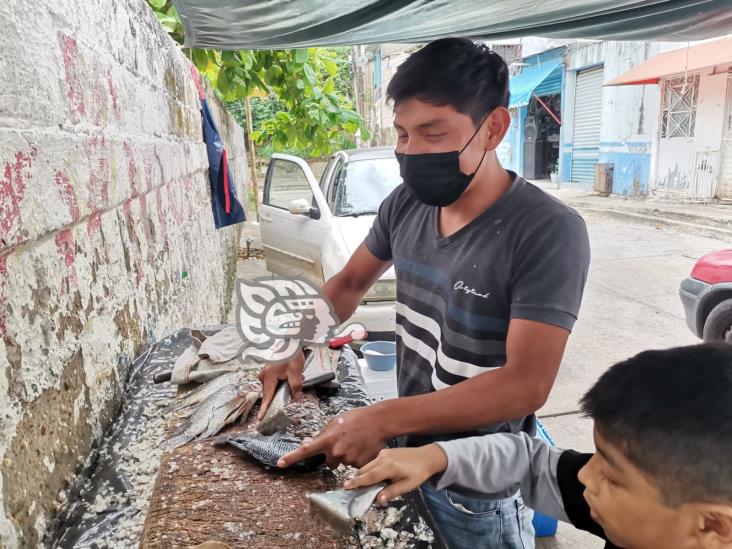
544 76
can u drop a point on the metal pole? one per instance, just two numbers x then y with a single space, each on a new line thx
252 158
547 109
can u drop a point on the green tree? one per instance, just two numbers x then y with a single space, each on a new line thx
311 113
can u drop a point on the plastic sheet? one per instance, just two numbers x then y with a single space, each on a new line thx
108 497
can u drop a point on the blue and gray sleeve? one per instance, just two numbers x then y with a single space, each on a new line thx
550 271
493 463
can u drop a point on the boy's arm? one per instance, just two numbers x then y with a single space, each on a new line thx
492 463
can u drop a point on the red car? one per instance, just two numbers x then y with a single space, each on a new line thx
707 297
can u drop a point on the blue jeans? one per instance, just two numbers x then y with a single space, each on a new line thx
477 523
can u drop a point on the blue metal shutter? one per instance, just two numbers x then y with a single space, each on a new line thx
587 121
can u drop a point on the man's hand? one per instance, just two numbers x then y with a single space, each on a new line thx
404 468
354 438
272 374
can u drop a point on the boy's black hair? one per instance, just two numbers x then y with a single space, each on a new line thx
670 413
456 72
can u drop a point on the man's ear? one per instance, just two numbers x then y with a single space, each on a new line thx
495 127
715 526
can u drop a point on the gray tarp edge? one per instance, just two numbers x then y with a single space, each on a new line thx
284 24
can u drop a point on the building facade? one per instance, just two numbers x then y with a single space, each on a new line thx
572 108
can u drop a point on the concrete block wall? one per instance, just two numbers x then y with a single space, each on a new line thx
107 239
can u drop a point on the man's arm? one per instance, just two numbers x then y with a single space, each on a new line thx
519 388
534 352
346 289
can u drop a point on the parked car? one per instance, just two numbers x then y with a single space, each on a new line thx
312 228
707 297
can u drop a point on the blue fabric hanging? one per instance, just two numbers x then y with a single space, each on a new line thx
224 202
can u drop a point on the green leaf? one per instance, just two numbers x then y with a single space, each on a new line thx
229 59
310 75
200 59
157 4
299 84
329 86
350 116
330 66
284 117
258 82
317 92
222 81
301 55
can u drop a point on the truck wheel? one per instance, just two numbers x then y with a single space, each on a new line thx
718 326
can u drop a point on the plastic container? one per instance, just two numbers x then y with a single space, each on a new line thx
380 355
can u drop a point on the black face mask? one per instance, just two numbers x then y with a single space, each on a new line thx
435 179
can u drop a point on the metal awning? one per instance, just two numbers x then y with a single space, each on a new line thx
688 59
273 24
542 78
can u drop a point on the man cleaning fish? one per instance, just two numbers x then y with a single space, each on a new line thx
469 362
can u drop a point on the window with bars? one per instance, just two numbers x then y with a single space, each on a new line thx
678 117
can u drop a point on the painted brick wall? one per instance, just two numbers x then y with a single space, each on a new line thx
106 232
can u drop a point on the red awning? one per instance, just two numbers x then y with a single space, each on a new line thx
692 58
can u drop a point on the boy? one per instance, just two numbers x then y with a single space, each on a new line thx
661 477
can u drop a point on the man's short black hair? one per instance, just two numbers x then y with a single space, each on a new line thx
456 72
670 413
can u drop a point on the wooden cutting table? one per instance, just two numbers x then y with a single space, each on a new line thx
205 492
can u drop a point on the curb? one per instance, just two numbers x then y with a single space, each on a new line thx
661 222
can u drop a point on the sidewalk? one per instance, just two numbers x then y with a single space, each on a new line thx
248 266
710 220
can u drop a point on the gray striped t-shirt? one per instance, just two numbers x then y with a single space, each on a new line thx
525 257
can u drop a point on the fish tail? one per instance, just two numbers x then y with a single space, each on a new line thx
178 439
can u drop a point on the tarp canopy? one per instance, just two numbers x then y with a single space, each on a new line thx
531 79
281 24
688 59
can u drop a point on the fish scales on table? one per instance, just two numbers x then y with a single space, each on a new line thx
219 409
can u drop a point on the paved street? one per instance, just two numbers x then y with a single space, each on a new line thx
631 304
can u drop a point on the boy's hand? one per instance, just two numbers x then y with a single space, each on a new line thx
404 468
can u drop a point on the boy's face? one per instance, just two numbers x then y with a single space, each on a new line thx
629 507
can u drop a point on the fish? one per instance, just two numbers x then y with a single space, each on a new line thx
342 508
268 449
276 420
207 389
217 410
